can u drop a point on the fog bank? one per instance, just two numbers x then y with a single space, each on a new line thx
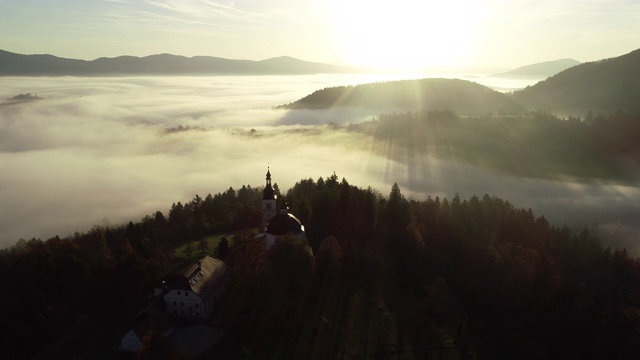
99 151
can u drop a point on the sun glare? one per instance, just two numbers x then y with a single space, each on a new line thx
408 35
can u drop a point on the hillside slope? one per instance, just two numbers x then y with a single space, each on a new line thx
463 96
601 86
539 70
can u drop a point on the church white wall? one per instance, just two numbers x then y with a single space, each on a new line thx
268 210
184 303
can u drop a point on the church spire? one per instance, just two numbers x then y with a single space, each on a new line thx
268 201
268 193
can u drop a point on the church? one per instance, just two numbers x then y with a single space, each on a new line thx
276 219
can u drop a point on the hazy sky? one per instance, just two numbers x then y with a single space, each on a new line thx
399 33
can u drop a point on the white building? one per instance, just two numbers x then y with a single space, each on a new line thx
193 295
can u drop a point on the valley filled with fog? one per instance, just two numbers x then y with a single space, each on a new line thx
101 151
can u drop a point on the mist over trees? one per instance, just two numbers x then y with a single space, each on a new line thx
537 144
389 277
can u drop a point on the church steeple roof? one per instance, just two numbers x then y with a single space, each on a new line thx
268 193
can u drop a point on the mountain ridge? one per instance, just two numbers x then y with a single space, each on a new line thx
602 86
539 70
14 64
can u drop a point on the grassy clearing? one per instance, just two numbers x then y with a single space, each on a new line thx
197 249
181 253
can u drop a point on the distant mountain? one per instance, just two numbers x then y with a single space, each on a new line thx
462 96
12 64
601 86
539 70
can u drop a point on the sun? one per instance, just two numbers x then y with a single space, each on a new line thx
404 34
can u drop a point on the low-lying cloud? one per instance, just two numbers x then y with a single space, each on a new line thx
96 151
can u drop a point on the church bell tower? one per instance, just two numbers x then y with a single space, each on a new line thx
268 201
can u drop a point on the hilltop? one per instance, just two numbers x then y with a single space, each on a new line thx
601 86
448 277
12 64
463 96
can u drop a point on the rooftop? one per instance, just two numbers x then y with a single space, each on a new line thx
204 274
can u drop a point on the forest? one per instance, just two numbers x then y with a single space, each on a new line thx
538 144
388 278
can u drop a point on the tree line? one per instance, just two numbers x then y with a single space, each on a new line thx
439 278
378 277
